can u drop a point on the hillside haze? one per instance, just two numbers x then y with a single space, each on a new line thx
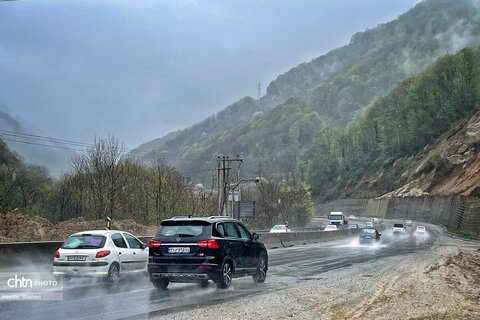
273 133
31 147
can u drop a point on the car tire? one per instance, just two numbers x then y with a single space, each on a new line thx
225 276
262 267
113 272
160 283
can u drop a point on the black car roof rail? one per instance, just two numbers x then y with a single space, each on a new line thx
220 217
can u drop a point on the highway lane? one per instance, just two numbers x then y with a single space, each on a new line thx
136 298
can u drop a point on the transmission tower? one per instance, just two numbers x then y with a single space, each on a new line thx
259 93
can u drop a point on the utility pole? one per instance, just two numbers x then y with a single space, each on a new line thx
231 191
225 181
224 164
219 195
238 179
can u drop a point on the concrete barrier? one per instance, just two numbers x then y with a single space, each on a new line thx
14 253
456 212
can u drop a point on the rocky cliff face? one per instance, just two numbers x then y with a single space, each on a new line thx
462 151
449 166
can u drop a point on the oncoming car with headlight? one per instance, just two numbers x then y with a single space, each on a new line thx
100 253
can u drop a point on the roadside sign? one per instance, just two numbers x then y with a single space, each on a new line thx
245 209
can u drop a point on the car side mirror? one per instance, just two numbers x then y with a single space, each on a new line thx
144 245
255 236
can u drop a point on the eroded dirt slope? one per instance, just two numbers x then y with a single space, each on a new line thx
15 226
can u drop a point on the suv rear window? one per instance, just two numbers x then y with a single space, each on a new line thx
183 229
84 242
398 225
368 231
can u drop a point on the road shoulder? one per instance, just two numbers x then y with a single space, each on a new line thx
443 283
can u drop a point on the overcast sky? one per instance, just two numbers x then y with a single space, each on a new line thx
140 69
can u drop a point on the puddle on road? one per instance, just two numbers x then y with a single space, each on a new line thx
355 243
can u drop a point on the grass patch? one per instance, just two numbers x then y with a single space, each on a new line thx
459 233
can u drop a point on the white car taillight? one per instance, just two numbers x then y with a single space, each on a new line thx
102 253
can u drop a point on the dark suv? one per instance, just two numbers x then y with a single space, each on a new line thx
369 235
199 249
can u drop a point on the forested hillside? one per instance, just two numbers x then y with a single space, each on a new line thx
396 127
377 59
272 142
177 142
333 87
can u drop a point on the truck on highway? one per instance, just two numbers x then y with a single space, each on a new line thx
337 218
399 228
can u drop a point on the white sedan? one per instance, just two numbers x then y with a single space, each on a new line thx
100 253
331 227
279 228
421 230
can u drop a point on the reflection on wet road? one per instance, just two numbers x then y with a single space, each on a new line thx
136 297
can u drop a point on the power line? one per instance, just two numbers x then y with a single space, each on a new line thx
59 143
42 138
40 144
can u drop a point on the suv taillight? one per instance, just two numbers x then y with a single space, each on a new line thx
57 254
102 253
210 244
152 244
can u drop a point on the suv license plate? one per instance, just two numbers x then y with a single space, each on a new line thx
179 250
76 258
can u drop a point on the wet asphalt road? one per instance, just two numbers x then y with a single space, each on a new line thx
136 298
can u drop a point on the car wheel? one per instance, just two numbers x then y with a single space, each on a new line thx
226 274
113 272
204 284
261 274
160 283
